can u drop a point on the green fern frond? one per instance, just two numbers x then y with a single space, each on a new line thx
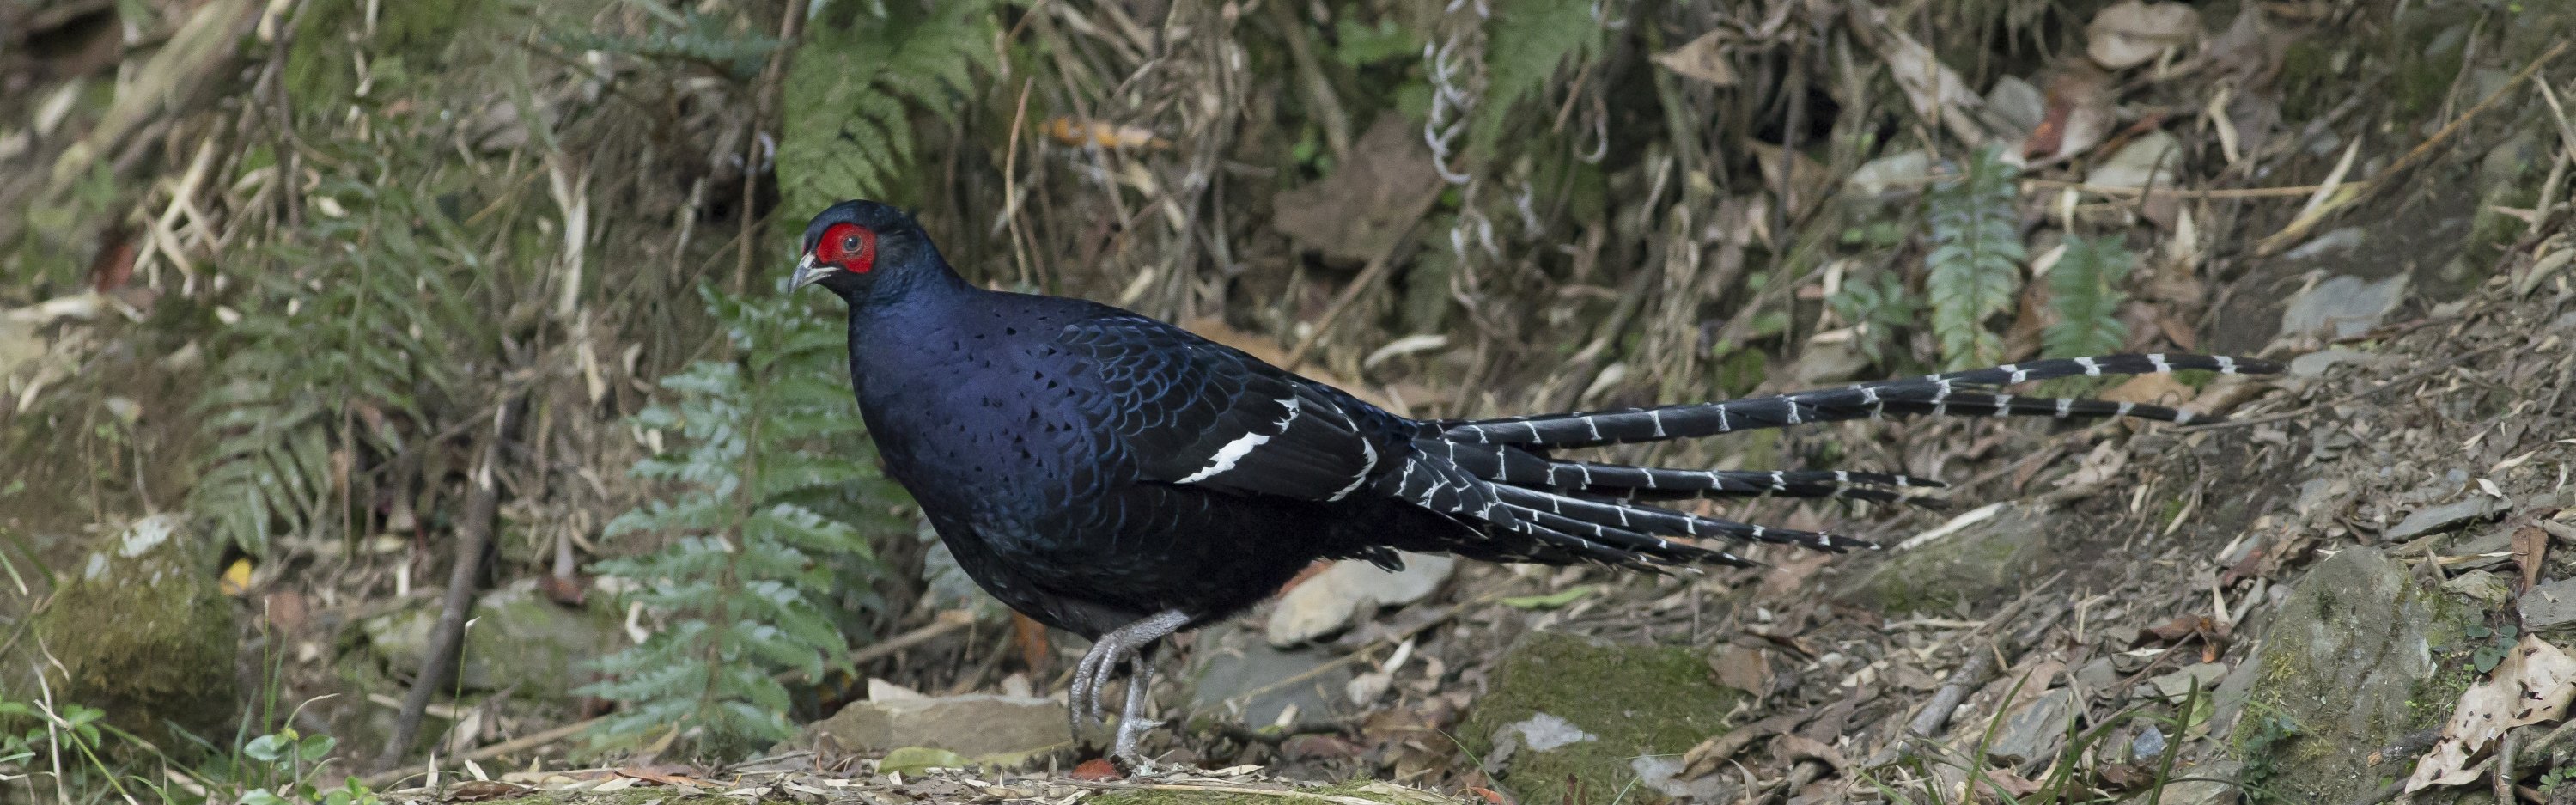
770 462
856 82
1975 260
2084 289
361 312
1529 40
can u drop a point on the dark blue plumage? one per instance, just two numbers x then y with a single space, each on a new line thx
1122 478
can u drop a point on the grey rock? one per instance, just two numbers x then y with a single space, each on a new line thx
2149 744
2429 520
517 641
2229 699
1983 561
1239 679
2342 307
2176 685
2036 730
2016 104
983 728
2549 605
2347 657
2097 676
1326 603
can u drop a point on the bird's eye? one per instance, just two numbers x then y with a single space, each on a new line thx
849 244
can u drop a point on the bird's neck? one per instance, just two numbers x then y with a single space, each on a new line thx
927 283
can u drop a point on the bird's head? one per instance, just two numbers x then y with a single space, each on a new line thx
856 245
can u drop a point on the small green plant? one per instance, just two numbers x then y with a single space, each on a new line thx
2498 645
68 740
2084 289
2556 776
767 445
2258 740
1879 307
1975 260
286 764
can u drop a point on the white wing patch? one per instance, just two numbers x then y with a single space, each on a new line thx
1233 452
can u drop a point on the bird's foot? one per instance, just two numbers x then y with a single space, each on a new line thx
1123 645
1083 698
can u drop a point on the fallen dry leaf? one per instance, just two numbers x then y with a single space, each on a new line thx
1106 135
2530 550
1934 90
1742 668
2078 114
1792 748
2533 684
1097 770
1703 58
2010 784
1366 203
2131 33
2159 389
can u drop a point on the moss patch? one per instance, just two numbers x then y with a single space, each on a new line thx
2350 659
141 633
1632 700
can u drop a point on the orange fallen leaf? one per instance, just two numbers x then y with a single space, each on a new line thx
1097 770
1105 135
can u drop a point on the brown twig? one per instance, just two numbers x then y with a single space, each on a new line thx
949 621
474 532
764 108
2416 156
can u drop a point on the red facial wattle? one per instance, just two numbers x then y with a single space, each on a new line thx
850 246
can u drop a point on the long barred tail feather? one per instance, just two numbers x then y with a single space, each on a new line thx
1954 393
1497 474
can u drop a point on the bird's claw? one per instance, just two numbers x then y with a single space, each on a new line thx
1083 698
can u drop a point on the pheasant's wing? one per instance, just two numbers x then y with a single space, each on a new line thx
1192 411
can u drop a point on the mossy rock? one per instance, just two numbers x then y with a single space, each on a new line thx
518 641
141 632
1985 561
2352 659
1627 702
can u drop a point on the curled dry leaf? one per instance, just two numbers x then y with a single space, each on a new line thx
1934 90
2078 114
1703 58
2532 685
2131 33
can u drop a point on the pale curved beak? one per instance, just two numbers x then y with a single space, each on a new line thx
809 272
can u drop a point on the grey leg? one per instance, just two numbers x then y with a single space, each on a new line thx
1132 723
1120 645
